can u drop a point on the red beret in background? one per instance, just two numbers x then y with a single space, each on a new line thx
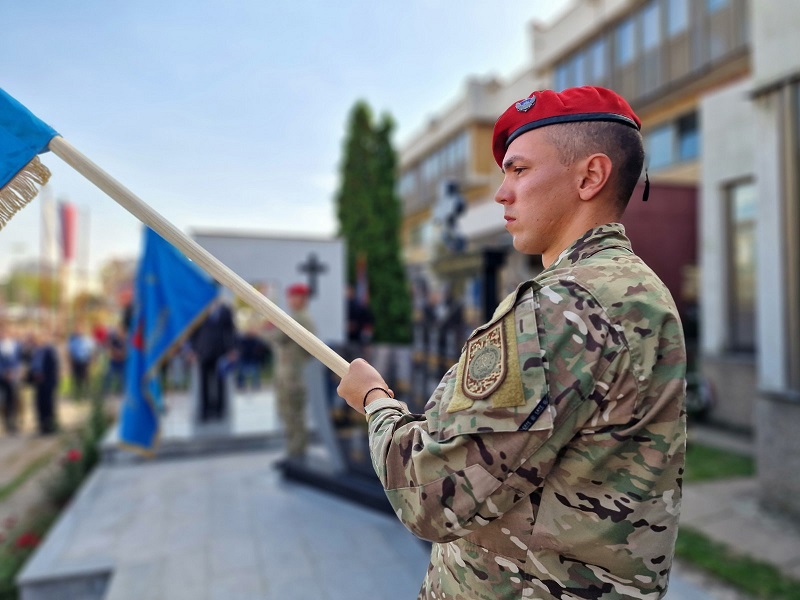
298 289
547 107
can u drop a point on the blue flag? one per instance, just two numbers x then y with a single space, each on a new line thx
22 137
171 296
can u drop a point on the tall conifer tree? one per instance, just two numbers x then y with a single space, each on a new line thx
369 220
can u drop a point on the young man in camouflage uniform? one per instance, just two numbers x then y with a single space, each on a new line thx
548 462
290 386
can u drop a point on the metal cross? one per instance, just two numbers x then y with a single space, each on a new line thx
313 268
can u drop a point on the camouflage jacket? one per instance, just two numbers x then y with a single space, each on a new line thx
548 462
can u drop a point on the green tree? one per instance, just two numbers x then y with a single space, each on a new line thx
369 220
31 288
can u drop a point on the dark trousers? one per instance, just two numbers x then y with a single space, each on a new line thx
212 391
45 408
80 377
9 394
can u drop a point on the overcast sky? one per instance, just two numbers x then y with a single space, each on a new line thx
232 114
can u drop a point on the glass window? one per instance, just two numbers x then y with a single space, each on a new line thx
597 60
463 148
427 169
742 265
561 78
407 183
715 5
688 137
677 16
651 26
579 69
626 43
660 144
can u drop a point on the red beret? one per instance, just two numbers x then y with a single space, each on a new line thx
548 108
298 289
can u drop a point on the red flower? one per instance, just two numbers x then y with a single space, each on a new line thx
73 455
27 540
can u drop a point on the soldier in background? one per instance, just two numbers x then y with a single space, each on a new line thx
289 384
548 461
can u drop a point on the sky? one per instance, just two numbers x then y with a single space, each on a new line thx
231 115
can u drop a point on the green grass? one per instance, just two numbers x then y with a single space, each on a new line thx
28 472
704 463
761 580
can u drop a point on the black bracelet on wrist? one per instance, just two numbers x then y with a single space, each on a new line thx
388 395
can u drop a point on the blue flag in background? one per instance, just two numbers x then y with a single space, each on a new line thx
171 295
22 137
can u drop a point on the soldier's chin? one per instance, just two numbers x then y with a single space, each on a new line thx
524 246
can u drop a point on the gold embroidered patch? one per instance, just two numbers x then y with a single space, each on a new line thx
485 363
489 366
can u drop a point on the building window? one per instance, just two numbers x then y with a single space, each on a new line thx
673 142
407 183
651 26
742 266
660 144
597 60
713 6
561 78
677 16
625 43
421 234
578 70
688 137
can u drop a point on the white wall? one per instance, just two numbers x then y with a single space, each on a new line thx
728 154
771 274
775 39
276 260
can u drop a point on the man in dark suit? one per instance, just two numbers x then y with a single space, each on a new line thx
10 371
43 374
214 347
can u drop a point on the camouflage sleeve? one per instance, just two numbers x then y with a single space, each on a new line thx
492 432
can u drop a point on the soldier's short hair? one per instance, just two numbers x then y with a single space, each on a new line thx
622 144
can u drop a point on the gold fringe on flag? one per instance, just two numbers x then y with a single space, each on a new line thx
22 189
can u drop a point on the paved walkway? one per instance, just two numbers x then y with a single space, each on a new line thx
229 527
729 512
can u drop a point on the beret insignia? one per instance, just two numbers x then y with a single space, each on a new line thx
526 104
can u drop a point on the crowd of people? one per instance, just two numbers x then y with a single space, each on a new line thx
38 368
31 372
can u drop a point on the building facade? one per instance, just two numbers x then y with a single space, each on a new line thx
665 57
717 86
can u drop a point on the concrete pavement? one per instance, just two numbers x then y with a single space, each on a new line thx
728 511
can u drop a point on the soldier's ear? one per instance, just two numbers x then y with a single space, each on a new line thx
594 173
